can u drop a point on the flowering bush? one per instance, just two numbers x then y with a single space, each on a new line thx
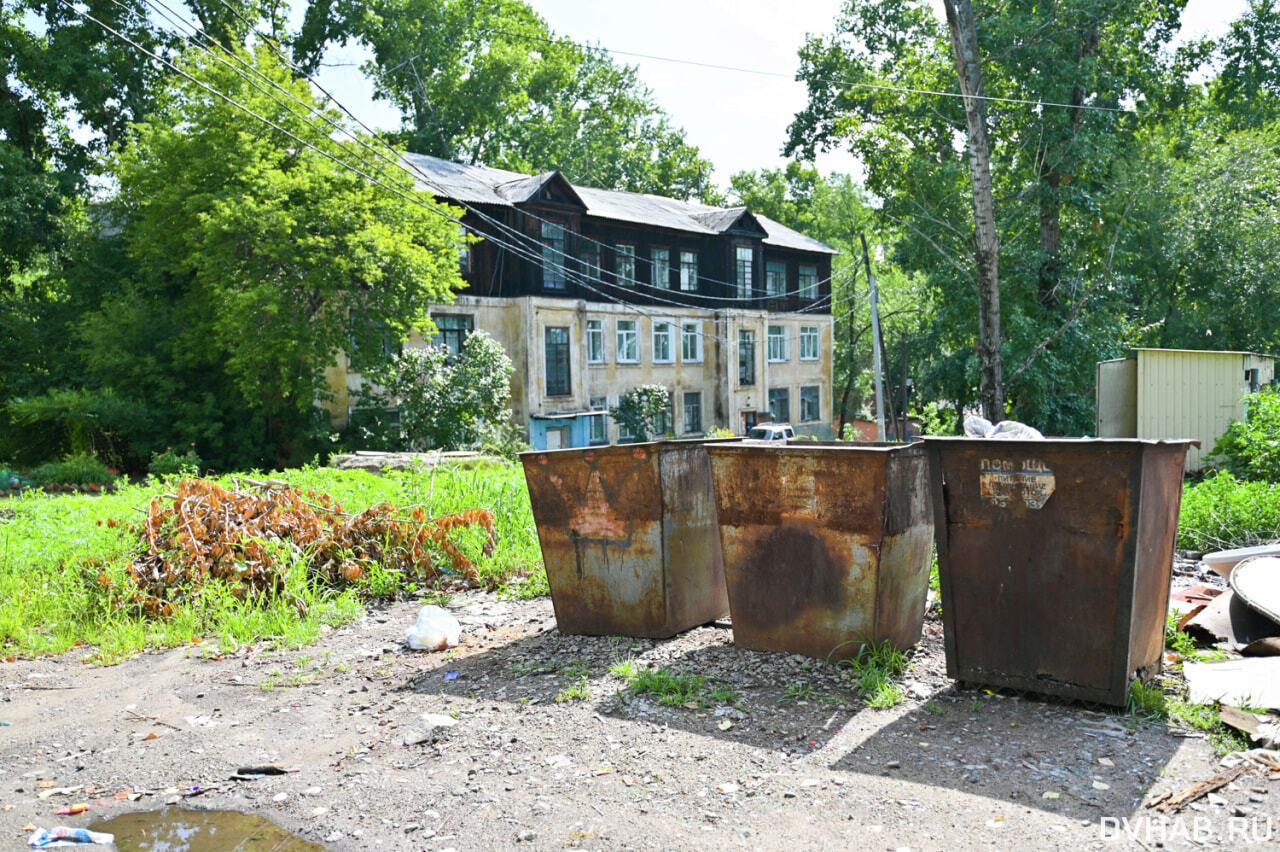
171 462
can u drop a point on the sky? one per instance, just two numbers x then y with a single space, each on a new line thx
738 120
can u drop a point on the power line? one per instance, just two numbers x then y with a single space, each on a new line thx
518 250
853 84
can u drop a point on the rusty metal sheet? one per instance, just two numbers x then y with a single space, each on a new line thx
1055 558
629 537
825 547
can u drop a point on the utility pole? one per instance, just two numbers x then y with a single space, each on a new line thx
877 367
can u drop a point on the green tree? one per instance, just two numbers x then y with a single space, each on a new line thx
253 260
445 403
1051 172
490 83
641 410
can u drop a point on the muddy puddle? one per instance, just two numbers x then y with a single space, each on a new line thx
187 830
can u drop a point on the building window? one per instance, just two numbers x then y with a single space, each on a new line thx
775 278
779 405
746 357
808 343
453 330
778 343
598 433
808 282
553 256
464 251
664 423
745 255
663 346
808 404
688 270
626 264
660 268
628 342
589 259
691 341
692 412
595 341
557 355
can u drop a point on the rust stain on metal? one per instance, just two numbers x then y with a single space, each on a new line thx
826 547
626 550
1056 580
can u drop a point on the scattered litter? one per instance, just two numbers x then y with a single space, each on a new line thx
1049 794
1251 682
432 726
1106 761
265 769
77 808
1099 785
725 725
48 838
1191 599
1257 582
1171 803
5 724
728 787
50 790
1268 759
434 630
1230 622
450 675
1222 561
1268 647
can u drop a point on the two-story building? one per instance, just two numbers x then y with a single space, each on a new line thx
593 292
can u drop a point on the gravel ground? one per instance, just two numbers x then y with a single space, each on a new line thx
798 763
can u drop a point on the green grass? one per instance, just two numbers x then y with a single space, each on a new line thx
674 688
876 671
1223 512
49 604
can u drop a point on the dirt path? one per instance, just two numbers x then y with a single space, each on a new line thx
793 768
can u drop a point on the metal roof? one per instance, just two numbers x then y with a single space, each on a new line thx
484 185
1203 351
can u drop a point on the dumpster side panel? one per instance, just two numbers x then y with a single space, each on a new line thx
695 589
904 554
1032 543
1162 470
802 534
599 517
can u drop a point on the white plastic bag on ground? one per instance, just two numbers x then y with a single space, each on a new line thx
434 630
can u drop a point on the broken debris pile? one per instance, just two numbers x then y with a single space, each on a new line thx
248 536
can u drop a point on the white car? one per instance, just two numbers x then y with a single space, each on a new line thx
772 432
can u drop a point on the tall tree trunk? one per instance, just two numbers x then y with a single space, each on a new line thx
986 242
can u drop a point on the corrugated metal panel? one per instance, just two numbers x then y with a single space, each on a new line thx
1186 394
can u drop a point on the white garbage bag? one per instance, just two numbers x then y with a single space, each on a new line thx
434 630
1012 430
977 426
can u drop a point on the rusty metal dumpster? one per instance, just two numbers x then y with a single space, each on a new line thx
629 537
826 546
1055 559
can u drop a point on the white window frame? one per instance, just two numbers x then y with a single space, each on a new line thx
691 332
809 347
688 270
669 337
628 331
808 281
624 263
595 342
743 272
777 344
